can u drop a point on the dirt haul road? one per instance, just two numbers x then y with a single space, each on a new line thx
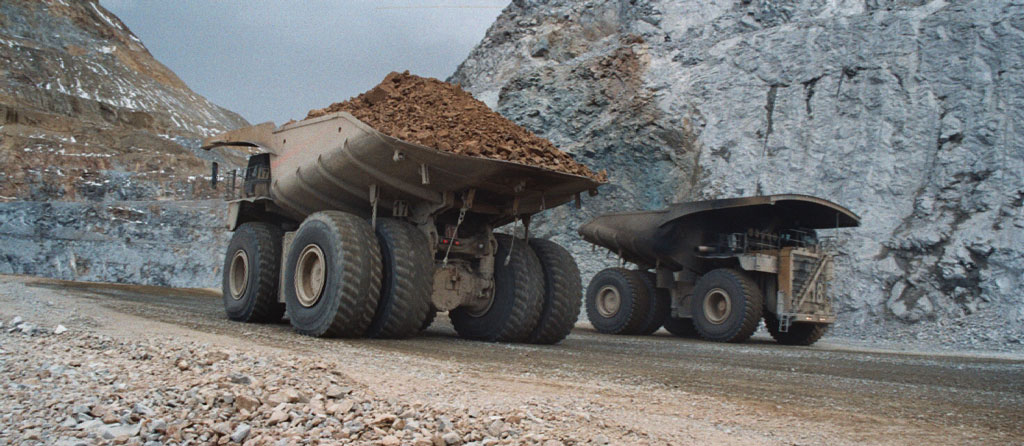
590 389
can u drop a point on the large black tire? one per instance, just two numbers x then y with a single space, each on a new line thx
562 293
738 311
659 304
254 254
681 327
799 333
351 266
431 315
406 283
518 297
629 314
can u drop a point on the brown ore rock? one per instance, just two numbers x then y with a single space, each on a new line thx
442 116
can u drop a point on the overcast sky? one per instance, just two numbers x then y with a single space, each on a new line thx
276 60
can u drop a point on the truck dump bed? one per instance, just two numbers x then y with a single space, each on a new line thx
337 162
670 237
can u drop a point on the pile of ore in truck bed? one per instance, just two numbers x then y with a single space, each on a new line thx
442 116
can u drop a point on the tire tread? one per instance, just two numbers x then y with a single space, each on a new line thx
798 334
751 311
360 280
563 293
659 305
527 299
682 328
636 295
401 314
267 237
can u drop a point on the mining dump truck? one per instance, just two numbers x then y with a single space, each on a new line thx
716 268
355 233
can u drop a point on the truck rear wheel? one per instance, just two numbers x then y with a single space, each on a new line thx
562 293
431 315
681 327
617 301
726 306
799 333
518 297
251 269
332 276
658 307
406 282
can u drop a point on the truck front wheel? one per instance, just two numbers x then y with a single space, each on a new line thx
726 306
798 334
251 269
518 297
617 301
332 276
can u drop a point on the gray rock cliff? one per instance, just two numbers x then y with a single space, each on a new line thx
96 138
908 112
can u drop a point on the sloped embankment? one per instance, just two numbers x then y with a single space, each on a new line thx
90 123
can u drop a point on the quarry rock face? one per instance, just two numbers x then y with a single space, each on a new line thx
163 243
88 116
907 112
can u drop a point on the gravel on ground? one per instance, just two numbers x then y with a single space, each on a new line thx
147 365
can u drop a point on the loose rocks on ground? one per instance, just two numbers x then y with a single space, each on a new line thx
85 388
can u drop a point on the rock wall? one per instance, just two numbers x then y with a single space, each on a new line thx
96 136
907 112
165 243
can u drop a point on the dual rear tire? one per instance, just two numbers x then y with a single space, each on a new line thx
536 295
562 293
334 268
624 301
406 281
799 333
726 305
618 301
343 279
517 297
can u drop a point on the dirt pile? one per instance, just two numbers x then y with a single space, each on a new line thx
441 115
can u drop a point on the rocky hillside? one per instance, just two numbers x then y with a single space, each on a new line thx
87 111
87 114
908 112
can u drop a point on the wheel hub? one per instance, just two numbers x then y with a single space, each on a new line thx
717 306
483 304
608 301
310 275
238 277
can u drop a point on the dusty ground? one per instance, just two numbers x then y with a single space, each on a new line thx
590 389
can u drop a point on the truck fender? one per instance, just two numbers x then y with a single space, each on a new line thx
234 209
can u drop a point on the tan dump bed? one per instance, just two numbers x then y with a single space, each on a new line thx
336 161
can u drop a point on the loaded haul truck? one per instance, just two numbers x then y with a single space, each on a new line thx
357 233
